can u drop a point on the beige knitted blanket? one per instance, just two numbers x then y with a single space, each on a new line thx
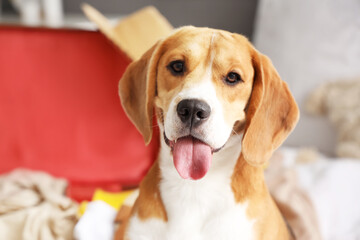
33 206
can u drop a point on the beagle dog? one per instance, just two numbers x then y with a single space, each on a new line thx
222 110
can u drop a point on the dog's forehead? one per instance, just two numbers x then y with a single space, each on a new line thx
199 42
188 41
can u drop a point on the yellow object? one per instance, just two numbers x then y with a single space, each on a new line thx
82 208
113 199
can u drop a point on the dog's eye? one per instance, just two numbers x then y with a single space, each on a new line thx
177 67
232 78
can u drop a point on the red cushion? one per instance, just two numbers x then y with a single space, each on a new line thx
60 111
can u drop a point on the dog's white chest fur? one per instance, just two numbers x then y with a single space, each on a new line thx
197 210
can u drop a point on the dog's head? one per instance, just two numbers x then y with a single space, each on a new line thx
205 86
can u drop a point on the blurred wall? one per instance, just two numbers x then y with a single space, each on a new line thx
232 15
311 43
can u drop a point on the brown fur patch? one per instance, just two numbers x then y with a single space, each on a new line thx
149 203
272 112
249 187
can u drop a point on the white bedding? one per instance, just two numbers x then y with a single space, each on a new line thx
333 185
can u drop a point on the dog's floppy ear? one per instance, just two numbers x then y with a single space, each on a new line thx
137 89
272 112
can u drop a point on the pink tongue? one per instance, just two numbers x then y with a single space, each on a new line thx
192 158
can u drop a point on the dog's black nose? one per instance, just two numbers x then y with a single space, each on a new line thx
193 112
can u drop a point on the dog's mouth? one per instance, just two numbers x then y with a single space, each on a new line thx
192 157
